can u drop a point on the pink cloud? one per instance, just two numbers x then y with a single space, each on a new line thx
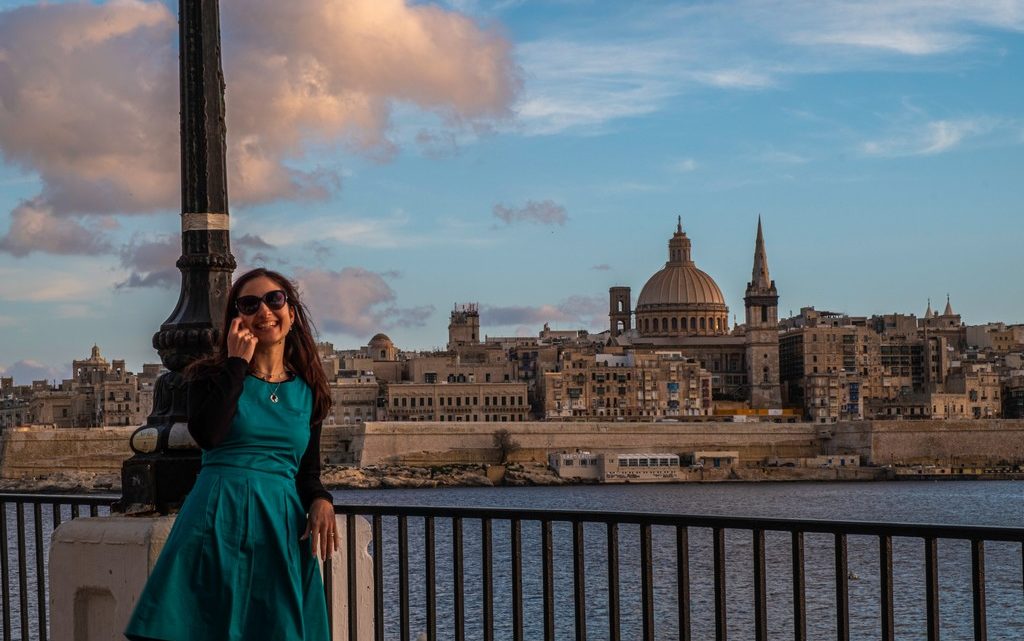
89 92
356 301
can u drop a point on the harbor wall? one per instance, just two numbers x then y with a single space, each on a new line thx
436 443
981 442
30 452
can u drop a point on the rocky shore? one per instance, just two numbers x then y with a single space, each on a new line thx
334 477
401 476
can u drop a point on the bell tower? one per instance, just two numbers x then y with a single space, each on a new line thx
762 331
620 312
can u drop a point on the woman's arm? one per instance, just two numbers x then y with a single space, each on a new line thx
212 402
307 481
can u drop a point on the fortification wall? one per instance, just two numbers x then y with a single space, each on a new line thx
934 441
435 443
30 452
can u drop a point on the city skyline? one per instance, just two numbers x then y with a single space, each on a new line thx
881 144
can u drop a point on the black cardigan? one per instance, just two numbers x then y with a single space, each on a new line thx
212 402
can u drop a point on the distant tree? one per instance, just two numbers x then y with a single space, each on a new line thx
505 444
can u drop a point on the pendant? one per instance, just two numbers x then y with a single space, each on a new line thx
273 398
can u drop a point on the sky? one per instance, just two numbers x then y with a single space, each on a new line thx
396 158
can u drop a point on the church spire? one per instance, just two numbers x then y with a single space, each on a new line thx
679 225
949 308
759 277
928 312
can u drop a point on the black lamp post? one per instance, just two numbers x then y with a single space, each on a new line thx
166 460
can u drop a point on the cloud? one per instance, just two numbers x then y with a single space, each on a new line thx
89 93
356 301
646 57
683 166
152 261
580 310
26 371
87 284
34 227
931 138
545 212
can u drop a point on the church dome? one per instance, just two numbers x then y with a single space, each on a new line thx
680 299
381 340
680 285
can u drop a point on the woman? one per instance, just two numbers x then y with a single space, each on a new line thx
239 563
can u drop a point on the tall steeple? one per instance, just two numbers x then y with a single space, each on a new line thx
762 299
949 308
759 277
928 312
762 331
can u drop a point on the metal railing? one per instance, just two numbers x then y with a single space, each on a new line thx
603 615
29 542
551 574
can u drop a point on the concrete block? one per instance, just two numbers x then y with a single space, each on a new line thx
99 566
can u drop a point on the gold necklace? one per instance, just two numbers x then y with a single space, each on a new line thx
267 375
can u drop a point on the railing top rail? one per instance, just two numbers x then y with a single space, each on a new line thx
867 528
48 499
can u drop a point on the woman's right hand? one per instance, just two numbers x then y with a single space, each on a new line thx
241 342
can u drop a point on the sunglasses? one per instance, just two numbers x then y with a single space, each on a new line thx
249 305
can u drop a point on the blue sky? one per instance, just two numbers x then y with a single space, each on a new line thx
398 158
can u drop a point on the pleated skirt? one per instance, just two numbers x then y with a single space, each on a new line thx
233 568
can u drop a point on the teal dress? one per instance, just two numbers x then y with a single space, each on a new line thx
233 567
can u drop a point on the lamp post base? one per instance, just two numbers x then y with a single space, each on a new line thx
157 482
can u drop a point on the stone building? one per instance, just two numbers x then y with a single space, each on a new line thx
355 395
99 394
455 402
682 309
608 386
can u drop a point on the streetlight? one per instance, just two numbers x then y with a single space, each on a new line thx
166 459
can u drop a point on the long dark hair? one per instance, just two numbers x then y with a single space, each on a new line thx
300 353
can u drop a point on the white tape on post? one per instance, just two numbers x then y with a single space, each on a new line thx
204 222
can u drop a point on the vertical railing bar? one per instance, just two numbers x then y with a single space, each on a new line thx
517 580
760 588
350 566
614 633
431 585
842 588
547 561
56 515
457 575
886 595
22 570
721 630
487 578
683 581
931 586
378 578
37 520
978 585
646 582
579 580
799 588
328 577
5 569
94 510
75 511
403 576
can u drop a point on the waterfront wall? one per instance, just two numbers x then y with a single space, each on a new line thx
435 443
40 452
982 442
